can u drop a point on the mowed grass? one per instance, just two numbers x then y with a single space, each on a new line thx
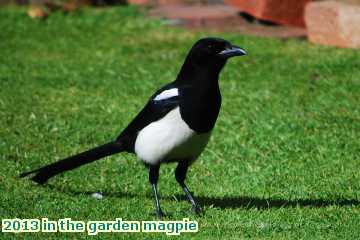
283 161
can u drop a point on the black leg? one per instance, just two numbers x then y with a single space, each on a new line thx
180 174
153 178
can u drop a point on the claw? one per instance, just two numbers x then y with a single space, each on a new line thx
197 209
160 214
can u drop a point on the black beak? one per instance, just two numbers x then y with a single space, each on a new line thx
232 52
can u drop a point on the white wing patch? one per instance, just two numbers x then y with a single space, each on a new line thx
167 94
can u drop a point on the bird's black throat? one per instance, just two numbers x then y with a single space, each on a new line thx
201 98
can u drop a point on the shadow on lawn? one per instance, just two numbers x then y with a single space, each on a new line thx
263 203
232 202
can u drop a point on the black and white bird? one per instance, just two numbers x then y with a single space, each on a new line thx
175 124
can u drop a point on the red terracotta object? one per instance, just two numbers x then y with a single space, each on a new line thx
333 23
286 12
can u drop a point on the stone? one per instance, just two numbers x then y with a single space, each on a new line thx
97 195
284 12
333 23
35 11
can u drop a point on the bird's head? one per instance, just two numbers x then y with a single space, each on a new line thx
212 53
215 49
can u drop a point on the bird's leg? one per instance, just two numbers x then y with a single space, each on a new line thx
153 178
180 174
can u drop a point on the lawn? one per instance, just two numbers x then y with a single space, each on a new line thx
283 161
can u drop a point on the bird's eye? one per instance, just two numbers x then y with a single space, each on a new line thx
210 46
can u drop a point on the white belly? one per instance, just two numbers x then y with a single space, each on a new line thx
169 139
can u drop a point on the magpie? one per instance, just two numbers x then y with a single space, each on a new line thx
175 124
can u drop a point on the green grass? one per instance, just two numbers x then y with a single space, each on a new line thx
283 162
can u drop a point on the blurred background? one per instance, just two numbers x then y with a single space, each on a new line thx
331 22
323 22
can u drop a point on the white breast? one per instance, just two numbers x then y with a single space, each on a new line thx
169 139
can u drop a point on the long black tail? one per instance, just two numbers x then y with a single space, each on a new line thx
48 171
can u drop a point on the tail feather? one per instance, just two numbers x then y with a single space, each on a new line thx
48 171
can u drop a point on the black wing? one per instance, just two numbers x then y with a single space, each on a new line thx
153 111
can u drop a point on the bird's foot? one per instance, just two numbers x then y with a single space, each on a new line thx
160 214
197 209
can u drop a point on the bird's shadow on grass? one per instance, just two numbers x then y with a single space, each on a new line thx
233 202
266 203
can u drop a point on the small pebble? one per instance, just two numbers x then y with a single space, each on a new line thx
97 195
